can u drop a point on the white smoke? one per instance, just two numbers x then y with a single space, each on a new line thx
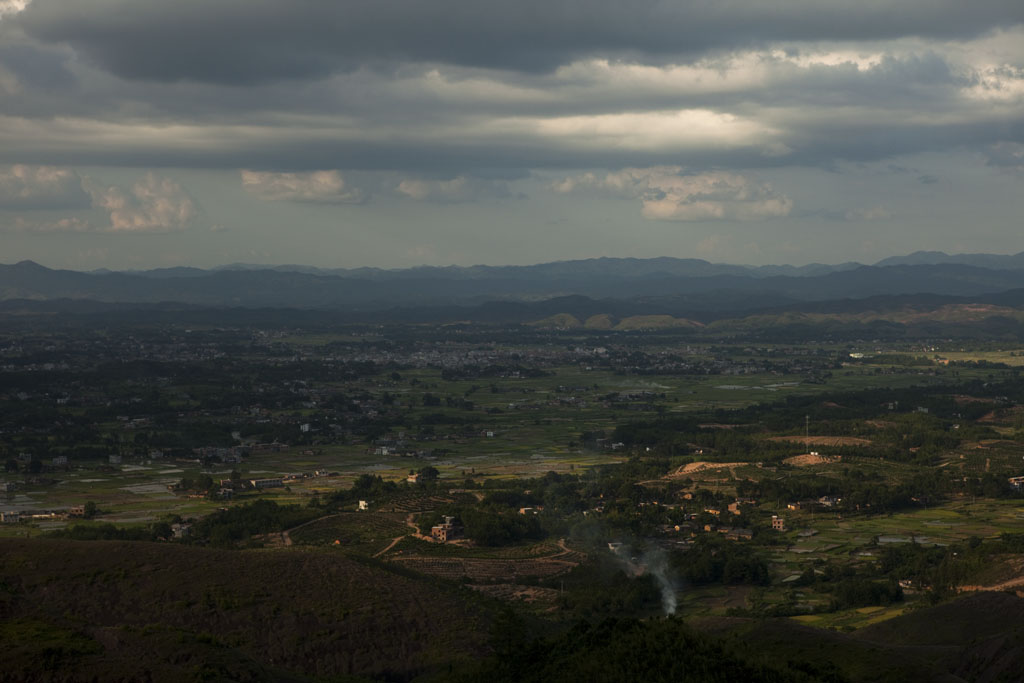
656 562
653 561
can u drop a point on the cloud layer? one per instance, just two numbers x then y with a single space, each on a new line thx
153 204
668 194
457 88
315 186
41 187
273 40
365 111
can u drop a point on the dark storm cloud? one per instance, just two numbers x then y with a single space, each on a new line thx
409 86
36 67
251 41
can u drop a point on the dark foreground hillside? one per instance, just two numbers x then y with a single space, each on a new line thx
83 611
130 611
133 611
977 638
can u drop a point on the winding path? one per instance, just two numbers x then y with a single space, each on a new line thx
286 534
415 533
1012 583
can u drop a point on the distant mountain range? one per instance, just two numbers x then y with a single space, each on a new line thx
618 287
605 266
933 258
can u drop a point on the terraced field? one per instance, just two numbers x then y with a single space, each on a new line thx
511 591
416 504
365 532
486 565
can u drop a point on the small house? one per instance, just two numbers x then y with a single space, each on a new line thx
446 531
266 483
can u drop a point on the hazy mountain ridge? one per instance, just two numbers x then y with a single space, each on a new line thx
603 266
608 266
621 288
921 258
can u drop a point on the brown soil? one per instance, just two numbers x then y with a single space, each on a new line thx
808 459
494 569
962 399
702 465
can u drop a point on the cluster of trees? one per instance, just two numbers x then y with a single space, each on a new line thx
109 532
602 588
230 526
859 592
487 525
713 560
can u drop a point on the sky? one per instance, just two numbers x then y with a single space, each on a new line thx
394 133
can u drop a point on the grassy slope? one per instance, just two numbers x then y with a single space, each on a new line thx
146 611
974 638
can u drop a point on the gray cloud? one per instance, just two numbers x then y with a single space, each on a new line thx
1007 155
20 224
249 41
700 104
746 102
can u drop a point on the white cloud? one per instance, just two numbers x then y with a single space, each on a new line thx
459 189
12 6
650 131
316 186
668 194
41 187
153 204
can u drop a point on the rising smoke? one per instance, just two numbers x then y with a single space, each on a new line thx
657 566
654 562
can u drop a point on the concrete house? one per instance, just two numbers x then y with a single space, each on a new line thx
446 531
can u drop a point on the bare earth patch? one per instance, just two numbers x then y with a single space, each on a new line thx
1013 567
808 459
702 465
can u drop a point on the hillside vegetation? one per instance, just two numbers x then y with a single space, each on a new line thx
108 610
